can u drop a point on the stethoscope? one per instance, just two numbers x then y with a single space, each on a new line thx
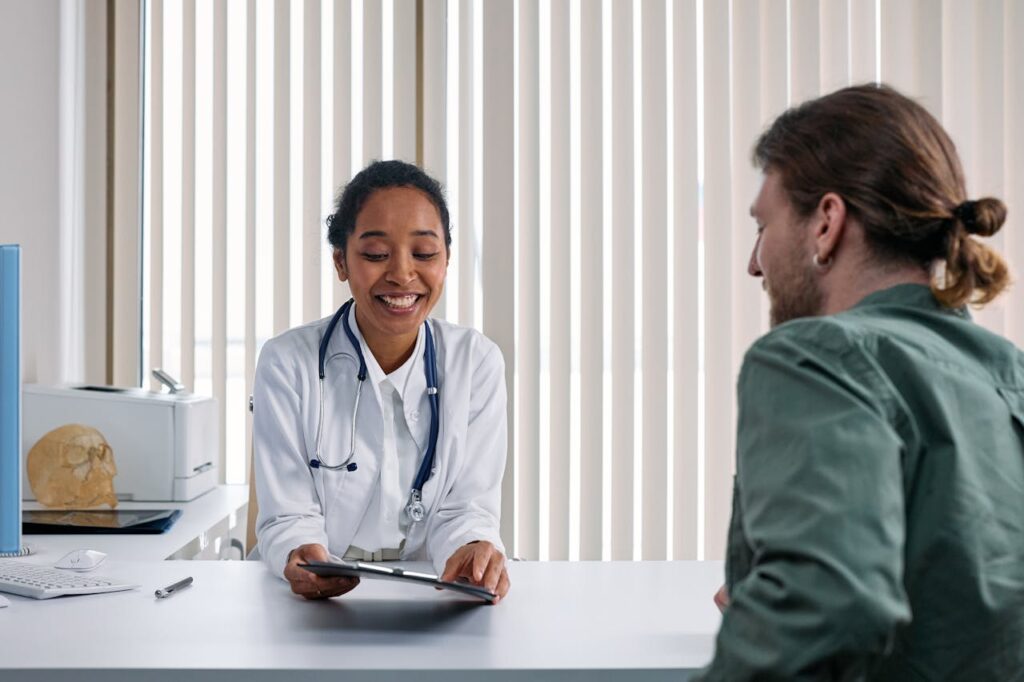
414 508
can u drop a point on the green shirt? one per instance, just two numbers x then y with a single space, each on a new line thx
878 515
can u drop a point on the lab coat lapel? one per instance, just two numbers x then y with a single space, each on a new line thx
433 489
415 403
347 493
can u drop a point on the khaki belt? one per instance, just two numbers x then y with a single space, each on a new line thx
358 554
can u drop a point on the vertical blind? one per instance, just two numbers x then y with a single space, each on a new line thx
596 159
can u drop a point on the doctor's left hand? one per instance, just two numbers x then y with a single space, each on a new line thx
480 563
310 585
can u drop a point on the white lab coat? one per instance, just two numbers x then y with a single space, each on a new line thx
462 498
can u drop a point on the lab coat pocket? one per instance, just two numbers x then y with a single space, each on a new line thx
319 485
331 486
346 502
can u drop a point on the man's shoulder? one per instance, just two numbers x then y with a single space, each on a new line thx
870 340
837 347
813 335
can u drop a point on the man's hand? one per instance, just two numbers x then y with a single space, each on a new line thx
722 598
310 585
479 563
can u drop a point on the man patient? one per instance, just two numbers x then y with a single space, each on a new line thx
878 515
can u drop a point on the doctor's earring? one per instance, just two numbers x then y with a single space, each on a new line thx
821 263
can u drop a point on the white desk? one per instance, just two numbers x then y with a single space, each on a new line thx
203 531
577 621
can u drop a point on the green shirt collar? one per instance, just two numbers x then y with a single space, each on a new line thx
910 295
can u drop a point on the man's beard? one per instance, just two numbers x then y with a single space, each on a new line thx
794 294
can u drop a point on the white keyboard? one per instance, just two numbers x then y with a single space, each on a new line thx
43 582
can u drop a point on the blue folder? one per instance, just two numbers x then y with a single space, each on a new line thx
10 399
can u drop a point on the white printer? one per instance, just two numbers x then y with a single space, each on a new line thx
165 445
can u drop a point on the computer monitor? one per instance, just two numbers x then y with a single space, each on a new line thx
10 400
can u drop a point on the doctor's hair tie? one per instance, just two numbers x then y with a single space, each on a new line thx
966 213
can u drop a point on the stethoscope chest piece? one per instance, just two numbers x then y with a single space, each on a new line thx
415 508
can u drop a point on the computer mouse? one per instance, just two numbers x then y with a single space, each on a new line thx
4 601
81 560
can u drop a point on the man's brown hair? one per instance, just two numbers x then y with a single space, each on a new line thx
900 176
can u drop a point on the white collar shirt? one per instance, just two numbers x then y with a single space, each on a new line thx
405 432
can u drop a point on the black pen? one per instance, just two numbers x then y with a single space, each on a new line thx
171 589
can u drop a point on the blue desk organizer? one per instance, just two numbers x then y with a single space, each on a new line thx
10 400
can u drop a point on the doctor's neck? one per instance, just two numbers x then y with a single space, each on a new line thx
390 350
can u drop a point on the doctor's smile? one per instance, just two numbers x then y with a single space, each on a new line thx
400 303
395 261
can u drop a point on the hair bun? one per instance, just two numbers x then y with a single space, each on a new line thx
983 217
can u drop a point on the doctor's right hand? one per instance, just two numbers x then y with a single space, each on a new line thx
309 585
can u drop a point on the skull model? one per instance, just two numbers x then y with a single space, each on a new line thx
72 467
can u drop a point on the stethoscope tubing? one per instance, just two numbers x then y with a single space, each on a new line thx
415 507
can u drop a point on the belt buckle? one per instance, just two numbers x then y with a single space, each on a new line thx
382 554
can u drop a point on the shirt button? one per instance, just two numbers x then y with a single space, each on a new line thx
414 416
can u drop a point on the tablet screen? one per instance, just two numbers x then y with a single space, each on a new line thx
102 518
362 569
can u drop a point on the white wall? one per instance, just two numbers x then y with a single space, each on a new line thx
29 180
31 191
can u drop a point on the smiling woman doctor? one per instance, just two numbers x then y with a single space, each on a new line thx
380 433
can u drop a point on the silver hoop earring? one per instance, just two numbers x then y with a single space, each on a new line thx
818 262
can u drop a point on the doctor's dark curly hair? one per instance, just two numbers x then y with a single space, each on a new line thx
382 175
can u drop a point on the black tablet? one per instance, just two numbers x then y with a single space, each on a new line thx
362 569
106 521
